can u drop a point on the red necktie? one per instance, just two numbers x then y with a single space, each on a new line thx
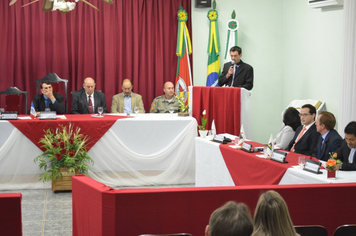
91 110
299 136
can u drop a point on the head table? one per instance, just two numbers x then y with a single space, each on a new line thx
143 149
222 165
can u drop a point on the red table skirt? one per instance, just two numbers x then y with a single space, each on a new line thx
95 128
101 210
248 169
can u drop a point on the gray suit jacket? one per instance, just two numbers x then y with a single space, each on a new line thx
117 105
80 102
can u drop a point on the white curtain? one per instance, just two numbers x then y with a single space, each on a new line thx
347 110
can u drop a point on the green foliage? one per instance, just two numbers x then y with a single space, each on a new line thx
65 147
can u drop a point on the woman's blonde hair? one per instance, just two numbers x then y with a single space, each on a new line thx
272 216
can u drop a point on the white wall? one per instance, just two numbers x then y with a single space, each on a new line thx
295 51
312 53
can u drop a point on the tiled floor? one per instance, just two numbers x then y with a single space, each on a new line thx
45 213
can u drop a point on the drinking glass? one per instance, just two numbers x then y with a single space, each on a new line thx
2 110
301 161
237 141
136 110
171 110
100 110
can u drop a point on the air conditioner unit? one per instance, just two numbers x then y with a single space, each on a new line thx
325 3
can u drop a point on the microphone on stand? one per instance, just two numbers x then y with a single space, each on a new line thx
232 81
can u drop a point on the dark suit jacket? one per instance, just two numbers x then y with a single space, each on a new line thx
80 103
40 105
307 142
243 78
331 143
343 154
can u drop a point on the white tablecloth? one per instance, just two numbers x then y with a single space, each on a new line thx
149 149
295 175
210 169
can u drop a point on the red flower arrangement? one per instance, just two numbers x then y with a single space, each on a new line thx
65 147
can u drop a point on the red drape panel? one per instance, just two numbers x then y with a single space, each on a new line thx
223 105
133 39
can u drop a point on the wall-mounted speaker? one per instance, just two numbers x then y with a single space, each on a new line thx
202 3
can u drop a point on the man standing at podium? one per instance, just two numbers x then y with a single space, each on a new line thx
236 73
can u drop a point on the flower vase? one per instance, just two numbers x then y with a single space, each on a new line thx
332 174
203 133
63 183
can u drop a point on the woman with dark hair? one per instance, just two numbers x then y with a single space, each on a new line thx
291 122
272 216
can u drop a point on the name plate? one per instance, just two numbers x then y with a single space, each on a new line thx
247 147
279 156
312 166
48 115
221 139
8 116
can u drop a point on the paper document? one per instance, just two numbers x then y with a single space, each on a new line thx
24 118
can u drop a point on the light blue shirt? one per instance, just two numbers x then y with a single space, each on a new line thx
351 156
324 137
127 104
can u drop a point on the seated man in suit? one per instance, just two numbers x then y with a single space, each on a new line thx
241 75
162 103
126 101
329 140
87 100
347 151
306 137
48 99
230 219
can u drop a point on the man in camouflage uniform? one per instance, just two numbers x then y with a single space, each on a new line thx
162 103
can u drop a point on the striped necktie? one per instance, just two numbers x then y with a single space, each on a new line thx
90 104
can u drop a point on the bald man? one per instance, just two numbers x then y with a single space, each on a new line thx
87 100
126 101
162 103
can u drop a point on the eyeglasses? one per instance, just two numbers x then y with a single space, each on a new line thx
304 115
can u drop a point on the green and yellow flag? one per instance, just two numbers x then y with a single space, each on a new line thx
184 48
213 49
